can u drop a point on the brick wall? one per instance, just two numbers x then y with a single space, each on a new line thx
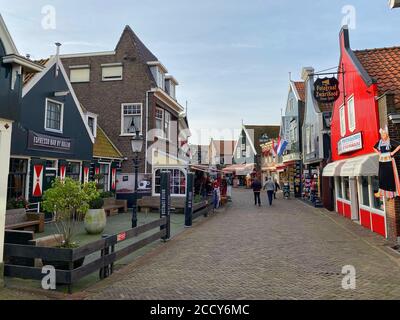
386 107
106 98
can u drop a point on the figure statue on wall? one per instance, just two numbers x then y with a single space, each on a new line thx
389 182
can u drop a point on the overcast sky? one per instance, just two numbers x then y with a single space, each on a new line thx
231 57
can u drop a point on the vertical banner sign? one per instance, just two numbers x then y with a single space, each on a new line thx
165 202
86 172
62 169
189 200
113 178
37 178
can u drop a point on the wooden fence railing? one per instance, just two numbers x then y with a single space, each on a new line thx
104 263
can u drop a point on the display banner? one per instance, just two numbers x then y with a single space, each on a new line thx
43 142
165 201
189 200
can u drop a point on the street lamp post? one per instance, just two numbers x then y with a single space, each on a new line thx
137 145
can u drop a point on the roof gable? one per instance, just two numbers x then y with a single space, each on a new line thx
38 76
103 146
143 52
6 39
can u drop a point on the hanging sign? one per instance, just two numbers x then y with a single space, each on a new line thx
326 90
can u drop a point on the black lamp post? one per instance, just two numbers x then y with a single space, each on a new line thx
137 145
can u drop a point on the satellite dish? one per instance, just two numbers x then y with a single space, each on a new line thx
394 4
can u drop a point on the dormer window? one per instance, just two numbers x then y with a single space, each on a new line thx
158 71
170 86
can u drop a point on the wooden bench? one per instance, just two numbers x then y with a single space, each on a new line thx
19 219
177 203
113 206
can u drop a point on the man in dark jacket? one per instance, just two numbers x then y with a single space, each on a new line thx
257 186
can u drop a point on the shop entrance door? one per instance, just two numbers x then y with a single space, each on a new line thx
355 212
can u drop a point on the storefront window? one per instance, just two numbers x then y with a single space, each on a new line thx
17 178
346 188
365 191
105 172
378 203
73 170
178 182
339 188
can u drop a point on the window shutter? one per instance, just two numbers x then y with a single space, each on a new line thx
80 75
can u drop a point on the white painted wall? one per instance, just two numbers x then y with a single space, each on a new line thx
5 145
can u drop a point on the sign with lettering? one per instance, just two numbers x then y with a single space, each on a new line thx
326 90
38 141
350 144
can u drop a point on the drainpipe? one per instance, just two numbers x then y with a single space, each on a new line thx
147 127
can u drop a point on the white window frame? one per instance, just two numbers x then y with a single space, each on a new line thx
162 120
342 120
167 129
112 65
61 116
82 67
351 114
123 105
108 164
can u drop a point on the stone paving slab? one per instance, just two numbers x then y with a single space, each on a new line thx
289 251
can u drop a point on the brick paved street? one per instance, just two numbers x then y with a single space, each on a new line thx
289 251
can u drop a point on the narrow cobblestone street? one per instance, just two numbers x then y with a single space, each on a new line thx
289 251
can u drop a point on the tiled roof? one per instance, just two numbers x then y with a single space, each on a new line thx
260 130
384 66
300 87
224 147
104 148
142 50
28 76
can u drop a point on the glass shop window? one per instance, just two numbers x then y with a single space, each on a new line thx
17 178
378 202
346 188
339 187
365 191
73 170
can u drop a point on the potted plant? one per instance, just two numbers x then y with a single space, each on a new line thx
95 218
68 200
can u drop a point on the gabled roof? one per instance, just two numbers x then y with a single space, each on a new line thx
145 54
301 90
383 65
38 76
259 130
104 148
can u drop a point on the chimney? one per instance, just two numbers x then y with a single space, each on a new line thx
58 45
306 72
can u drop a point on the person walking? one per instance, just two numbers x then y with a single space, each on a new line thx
277 187
270 187
256 186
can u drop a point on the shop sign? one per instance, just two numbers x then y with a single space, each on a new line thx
291 157
350 144
326 90
37 141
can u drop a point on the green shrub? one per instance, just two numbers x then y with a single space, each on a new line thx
107 194
96 203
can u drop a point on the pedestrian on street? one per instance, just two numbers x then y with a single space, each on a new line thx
270 187
256 186
277 187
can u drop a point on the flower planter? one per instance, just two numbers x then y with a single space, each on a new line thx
63 265
95 221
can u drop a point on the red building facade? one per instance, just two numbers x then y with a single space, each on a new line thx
357 116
